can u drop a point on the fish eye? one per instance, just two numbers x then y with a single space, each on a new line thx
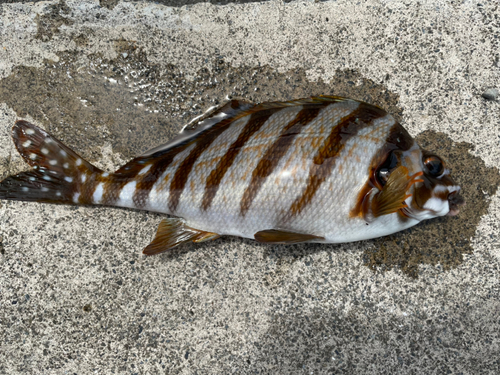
434 166
385 169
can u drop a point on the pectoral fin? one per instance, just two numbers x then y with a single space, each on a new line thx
275 236
173 232
395 192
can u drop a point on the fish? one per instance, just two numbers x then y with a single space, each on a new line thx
324 169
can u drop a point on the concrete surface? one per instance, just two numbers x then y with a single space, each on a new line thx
116 78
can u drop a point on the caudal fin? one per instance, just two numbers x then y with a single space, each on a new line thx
58 174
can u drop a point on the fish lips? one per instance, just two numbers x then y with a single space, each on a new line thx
455 201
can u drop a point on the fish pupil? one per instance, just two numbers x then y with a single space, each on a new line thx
434 166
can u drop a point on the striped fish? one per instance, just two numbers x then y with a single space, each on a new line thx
325 169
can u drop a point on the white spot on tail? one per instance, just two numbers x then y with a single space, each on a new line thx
66 165
145 169
105 174
76 197
27 143
30 131
44 189
44 151
126 195
84 177
25 189
69 179
98 194
58 193
53 162
33 156
47 178
63 153
78 162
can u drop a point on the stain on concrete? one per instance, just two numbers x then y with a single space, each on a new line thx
180 3
134 105
49 23
82 40
110 4
442 241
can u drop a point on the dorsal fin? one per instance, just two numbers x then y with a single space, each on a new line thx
201 124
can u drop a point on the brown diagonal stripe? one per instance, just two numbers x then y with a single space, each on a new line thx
113 187
146 182
275 153
325 158
130 171
183 171
117 180
216 175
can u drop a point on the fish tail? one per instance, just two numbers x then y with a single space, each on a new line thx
58 174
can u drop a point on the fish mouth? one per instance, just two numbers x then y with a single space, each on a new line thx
455 201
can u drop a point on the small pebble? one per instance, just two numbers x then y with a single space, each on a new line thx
490 94
125 54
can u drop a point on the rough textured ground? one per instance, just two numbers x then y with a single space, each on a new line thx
113 78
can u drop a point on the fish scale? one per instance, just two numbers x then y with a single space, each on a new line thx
325 169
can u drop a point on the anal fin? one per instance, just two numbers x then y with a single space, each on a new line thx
206 236
276 236
173 232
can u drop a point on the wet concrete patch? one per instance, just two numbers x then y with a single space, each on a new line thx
49 23
110 4
85 106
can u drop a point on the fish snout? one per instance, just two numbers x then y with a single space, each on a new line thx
455 201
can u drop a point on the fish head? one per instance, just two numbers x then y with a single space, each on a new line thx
435 193
438 193
429 190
